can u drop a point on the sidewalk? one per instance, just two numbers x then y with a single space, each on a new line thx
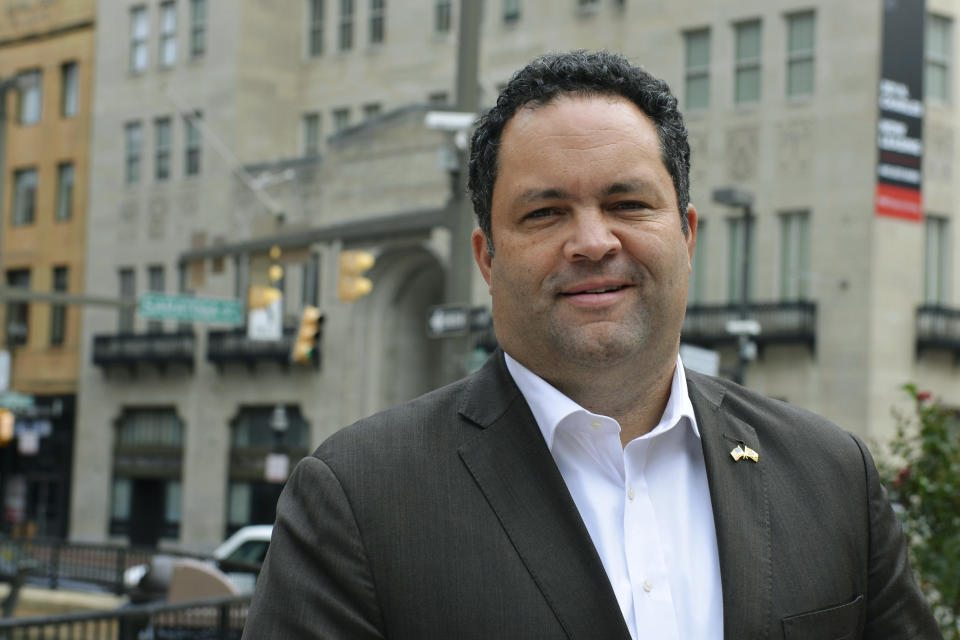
37 601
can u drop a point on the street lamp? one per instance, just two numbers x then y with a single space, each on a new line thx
746 349
277 464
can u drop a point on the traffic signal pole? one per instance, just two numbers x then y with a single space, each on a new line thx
459 276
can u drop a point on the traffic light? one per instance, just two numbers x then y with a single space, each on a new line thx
305 343
352 285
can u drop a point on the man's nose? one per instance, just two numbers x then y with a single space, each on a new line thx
591 237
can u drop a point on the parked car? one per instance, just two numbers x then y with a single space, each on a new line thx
239 557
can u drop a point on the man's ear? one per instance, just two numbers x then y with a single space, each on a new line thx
482 255
691 239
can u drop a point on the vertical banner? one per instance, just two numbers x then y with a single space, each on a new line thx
900 125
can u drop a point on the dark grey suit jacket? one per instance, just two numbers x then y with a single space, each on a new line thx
446 517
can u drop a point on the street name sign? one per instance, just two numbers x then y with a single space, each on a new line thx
456 320
743 326
448 320
161 306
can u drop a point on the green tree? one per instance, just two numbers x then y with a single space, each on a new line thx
923 480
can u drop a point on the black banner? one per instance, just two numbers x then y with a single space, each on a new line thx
900 125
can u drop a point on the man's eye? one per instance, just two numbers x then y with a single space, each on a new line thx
542 213
629 205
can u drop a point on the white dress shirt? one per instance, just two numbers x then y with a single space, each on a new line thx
646 507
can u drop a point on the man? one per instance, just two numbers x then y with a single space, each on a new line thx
583 484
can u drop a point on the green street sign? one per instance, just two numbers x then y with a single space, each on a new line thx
14 400
160 306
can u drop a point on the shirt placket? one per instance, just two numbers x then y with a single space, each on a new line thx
653 606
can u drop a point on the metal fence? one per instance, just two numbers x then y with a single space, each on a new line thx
55 563
213 619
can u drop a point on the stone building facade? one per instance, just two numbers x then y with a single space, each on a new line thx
226 129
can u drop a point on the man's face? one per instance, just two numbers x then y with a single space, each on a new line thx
590 263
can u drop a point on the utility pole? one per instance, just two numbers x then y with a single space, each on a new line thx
459 275
746 327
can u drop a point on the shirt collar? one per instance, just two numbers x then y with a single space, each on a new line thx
550 406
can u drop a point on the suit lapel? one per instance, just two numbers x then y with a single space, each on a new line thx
513 468
741 511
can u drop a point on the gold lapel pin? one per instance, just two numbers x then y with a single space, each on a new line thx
743 452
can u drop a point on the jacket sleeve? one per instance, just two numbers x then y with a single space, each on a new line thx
896 608
315 581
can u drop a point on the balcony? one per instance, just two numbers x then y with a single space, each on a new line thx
780 323
131 350
233 346
938 328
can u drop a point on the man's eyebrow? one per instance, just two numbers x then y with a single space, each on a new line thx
532 195
628 186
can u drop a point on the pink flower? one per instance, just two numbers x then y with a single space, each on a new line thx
902 477
923 396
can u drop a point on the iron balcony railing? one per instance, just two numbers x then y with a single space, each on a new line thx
780 323
212 619
938 327
226 346
131 349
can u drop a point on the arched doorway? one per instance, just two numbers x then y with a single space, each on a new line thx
251 497
147 468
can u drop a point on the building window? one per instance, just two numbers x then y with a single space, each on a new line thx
69 89
168 34
346 25
65 180
747 66
936 265
58 312
30 105
194 144
139 34
800 46
162 143
315 26
795 256
698 274
311 134
371 110
378 20
156 283
735 255
24 196
511 11
198 28
938 46
697 69
341 119
133 136
442 16
128 290
18 313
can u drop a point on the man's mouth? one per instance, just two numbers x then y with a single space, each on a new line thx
596 290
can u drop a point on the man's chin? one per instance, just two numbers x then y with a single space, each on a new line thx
600 347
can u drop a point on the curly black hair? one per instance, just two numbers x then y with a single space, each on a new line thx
584 73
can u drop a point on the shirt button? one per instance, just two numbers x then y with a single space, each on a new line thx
595 425
647 586
630 493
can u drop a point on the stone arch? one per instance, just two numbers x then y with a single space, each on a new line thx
399 361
